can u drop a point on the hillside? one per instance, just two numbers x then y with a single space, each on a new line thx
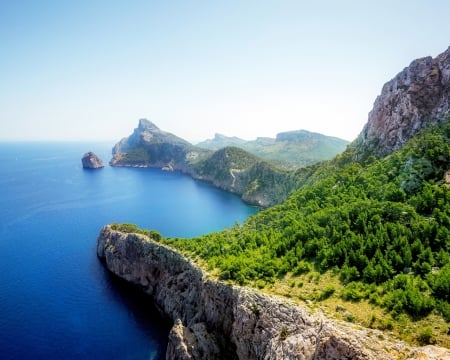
377 234
232 169
364 237
289 149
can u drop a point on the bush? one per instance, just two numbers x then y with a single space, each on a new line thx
425 337
326 292
352 292
441 284
302 268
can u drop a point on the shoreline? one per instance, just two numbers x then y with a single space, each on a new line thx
213 319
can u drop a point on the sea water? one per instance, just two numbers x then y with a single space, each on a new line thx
57 301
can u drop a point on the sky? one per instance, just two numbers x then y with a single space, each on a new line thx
90 69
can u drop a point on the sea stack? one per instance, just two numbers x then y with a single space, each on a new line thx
91 161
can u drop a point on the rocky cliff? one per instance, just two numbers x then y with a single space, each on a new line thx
91 161
213 320
415 98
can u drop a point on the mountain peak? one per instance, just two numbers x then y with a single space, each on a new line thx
145 124
415 98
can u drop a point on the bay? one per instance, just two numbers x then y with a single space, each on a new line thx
56 298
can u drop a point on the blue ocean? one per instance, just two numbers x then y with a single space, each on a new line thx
57 301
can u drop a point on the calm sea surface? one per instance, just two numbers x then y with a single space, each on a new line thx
56 299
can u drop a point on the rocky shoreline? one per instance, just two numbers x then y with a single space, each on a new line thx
214 320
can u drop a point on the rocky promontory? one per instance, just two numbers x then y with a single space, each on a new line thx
91 161
215 320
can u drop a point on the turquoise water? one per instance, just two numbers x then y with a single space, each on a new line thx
56 299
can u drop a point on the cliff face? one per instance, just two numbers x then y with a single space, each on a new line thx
415 98
213 320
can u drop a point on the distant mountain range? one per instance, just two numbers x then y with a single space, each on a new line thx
289 149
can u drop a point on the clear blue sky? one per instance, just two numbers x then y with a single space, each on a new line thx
87 69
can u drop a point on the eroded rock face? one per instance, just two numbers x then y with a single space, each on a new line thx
416 97
213 320
91 161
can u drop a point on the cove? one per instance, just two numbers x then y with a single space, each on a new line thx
56 299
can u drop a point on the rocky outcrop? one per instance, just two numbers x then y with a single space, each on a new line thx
91 161
415 98
213 320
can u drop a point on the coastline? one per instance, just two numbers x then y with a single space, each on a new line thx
214 320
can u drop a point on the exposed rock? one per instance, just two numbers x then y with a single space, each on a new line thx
91 161
415 98
213 320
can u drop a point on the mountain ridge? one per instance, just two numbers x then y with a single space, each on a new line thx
289 149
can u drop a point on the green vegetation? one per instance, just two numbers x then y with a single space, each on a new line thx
382 227
133 229
289 150
374 233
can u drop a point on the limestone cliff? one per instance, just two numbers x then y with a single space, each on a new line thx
213 320
415 98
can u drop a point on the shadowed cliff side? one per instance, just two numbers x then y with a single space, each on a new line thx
213 320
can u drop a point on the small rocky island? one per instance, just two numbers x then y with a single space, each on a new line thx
91 161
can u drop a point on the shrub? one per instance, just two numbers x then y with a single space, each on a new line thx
425 337
326 292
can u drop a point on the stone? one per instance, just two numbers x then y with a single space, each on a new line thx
415 98
91 161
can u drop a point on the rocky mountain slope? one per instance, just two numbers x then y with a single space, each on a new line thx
290 149
149 146
415 98
213 320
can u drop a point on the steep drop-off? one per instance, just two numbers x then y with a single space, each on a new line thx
214 320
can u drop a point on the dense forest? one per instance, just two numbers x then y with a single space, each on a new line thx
380 227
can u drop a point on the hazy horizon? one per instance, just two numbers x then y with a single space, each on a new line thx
89 70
